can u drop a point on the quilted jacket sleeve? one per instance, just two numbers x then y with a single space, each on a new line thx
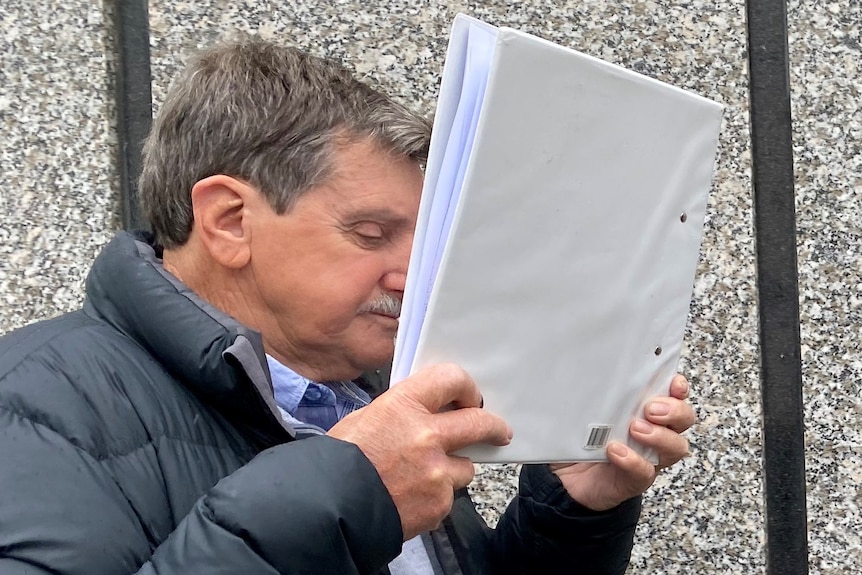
545 531
555 530
272 517
62 514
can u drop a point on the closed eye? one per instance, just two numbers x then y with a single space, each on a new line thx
369 230
370 234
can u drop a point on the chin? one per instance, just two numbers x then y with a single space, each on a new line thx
377 358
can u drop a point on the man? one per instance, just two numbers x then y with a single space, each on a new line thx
205 412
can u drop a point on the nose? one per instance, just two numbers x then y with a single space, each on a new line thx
394 281
395 278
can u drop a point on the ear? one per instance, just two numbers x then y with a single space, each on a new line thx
219 205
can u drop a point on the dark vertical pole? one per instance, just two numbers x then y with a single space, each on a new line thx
775 229
134 101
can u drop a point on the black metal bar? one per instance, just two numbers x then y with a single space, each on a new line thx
134 101
778 292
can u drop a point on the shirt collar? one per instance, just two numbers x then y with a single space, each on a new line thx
287 385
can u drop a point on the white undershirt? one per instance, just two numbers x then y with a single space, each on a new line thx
413 559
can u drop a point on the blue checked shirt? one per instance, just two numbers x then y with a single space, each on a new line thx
302 401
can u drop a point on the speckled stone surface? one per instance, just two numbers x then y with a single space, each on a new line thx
57 155
705 515
827 90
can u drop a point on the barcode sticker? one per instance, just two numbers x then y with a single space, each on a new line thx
599 435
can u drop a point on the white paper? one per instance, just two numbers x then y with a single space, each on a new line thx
443 192
564 280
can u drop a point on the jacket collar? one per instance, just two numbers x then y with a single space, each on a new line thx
212 354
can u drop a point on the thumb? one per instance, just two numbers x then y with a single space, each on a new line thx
439 385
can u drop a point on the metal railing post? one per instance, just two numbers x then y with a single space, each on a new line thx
778 292
134 101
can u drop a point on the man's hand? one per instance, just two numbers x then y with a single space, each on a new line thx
601 486
409 442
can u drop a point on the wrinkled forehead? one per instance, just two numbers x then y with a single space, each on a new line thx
370 183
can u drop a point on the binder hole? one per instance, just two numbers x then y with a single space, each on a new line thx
683 217
658 350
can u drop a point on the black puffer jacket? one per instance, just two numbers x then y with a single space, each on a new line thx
140 435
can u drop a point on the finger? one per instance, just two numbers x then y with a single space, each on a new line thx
461 471
440 385
462 427
671 413
638 473
679 387
669 445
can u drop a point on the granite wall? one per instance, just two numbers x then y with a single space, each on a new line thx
59 202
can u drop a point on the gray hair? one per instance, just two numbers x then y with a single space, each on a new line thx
272 116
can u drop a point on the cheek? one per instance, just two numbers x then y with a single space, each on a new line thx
358 278
345 289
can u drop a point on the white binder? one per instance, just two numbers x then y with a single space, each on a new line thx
557 240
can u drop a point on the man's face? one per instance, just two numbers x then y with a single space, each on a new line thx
330 272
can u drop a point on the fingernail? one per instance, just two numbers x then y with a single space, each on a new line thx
659 408
618 449
481 402
642 426
510 434
684 387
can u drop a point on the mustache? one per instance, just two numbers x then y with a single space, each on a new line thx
384 304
